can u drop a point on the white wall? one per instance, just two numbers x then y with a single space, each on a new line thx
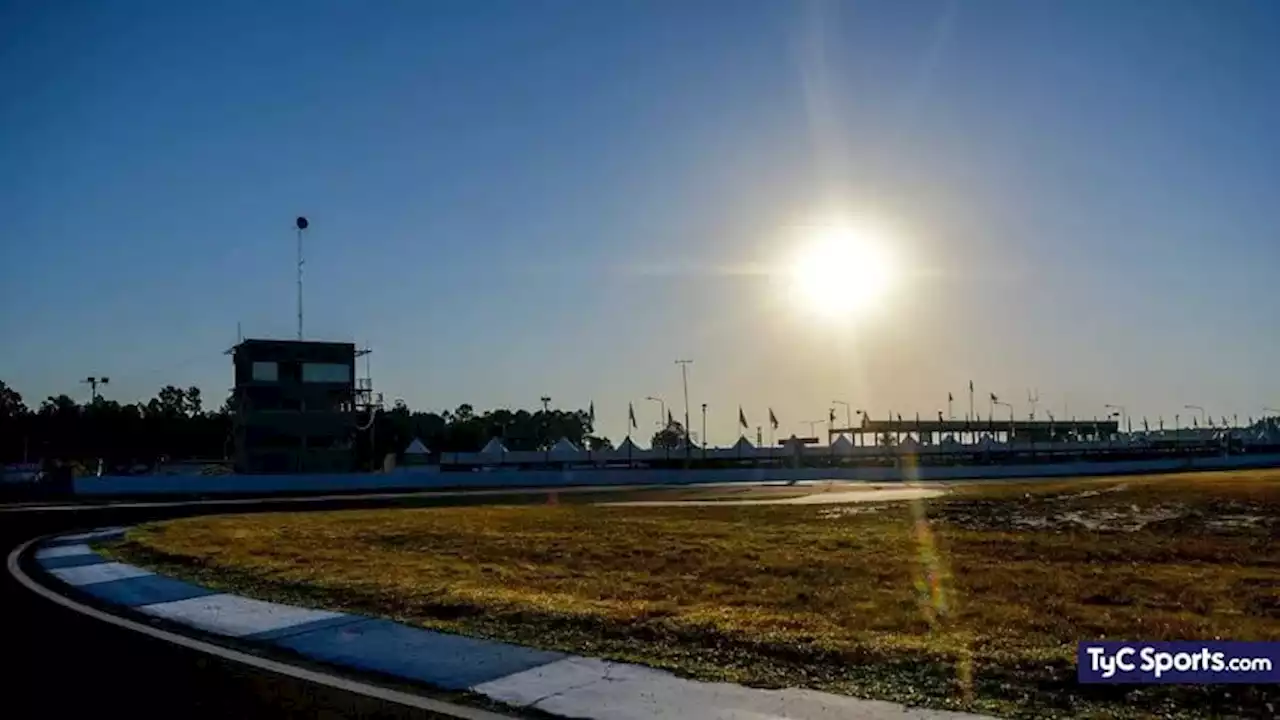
250 484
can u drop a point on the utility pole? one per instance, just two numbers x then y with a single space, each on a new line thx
93 383
684 377
301 224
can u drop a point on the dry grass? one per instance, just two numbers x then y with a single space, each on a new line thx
976 600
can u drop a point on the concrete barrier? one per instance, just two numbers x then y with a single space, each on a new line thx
372 482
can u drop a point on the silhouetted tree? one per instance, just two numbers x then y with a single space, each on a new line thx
174 425
669 437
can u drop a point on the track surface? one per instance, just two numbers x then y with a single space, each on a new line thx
62 664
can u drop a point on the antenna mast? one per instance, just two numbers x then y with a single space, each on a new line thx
301 224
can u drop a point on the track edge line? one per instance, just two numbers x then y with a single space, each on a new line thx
336 682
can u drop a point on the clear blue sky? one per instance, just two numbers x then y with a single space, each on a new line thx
526 198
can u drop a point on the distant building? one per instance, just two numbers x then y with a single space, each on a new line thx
295 406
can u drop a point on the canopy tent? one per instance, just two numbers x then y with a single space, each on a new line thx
564 444
743 446
564 449
493 447
629 450
842 445
626 445
416 448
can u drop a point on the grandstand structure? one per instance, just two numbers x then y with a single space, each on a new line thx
893 443
935 432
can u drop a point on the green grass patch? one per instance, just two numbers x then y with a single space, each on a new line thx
971 601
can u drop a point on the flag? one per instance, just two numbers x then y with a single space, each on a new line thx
670 420
994 399
631 414
949 398
831 415
773 419
1195 421
742 418
970 386
1145 427
1224 421
899 417
1209 420
939 416
1161 423
591 413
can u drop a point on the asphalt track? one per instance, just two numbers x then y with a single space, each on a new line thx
60 663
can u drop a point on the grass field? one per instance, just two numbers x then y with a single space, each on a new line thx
974 600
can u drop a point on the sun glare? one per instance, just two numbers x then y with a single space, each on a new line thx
842 271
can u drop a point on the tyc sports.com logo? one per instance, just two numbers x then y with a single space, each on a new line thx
1212 661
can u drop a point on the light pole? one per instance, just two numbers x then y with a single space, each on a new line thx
546 420
848 417
684 379
1203 416
93 383
662 410
1010 406
301 224
704 431
1121 412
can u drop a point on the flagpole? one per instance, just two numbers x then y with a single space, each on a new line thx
971 415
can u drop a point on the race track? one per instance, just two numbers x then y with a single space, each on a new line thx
63 664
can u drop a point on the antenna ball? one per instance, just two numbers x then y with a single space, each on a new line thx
302 223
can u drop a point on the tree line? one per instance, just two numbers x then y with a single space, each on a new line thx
177 425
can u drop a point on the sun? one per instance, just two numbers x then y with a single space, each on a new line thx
842 271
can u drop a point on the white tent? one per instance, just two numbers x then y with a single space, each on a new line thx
743 447
626 445
416 448
493 447
842 445
909 444
564 444
629 450
564 449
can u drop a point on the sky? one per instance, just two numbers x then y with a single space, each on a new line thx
527 198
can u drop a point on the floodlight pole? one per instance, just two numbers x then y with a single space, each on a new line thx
300 224
546 420
94 382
